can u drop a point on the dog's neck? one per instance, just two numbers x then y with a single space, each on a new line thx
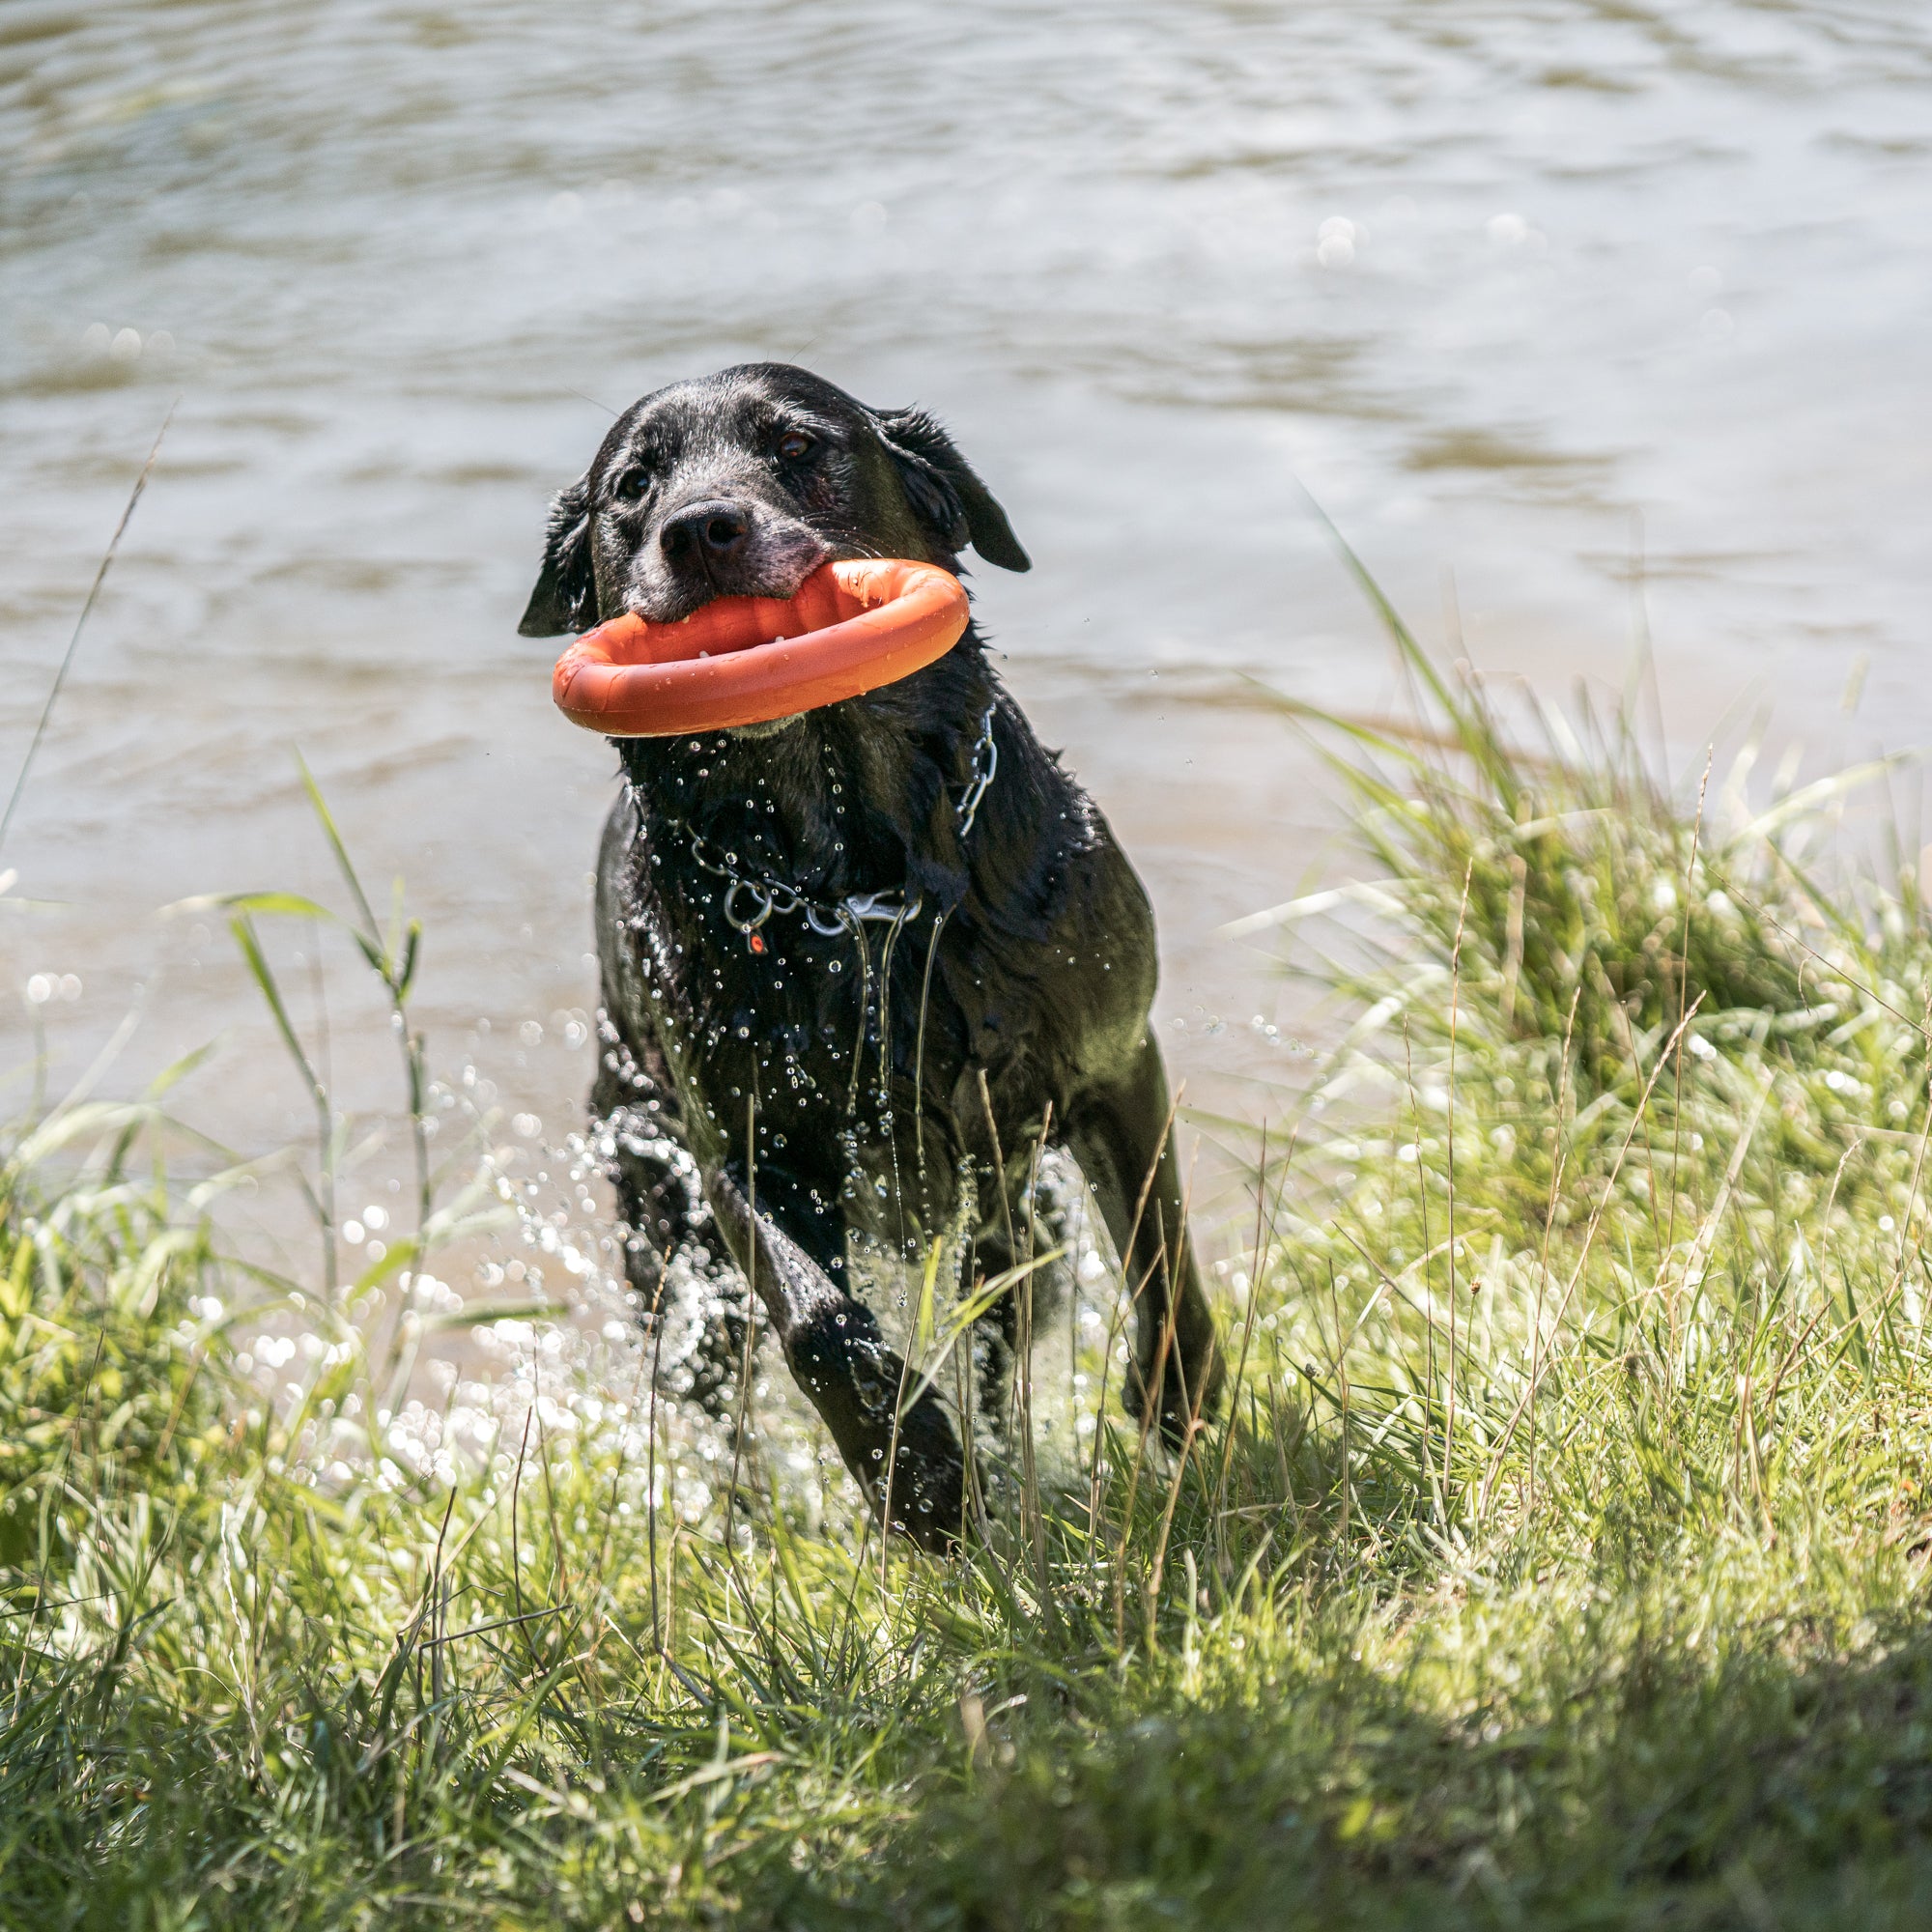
858 797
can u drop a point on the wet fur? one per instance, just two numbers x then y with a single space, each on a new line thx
733 1081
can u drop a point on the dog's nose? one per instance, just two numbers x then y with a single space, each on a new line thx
706 532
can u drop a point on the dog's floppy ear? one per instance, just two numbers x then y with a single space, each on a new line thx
945 491
565 598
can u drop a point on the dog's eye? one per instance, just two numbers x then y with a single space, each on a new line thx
794 444
632 484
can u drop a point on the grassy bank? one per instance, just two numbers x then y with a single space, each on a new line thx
1562 1565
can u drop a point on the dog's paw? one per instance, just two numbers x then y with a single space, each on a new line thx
856 1386
1190 1394
928 1492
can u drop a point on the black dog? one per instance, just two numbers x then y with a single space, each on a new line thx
856 963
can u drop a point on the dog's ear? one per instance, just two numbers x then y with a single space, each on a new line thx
565 598
945 491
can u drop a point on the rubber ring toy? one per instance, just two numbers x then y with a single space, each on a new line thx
852 627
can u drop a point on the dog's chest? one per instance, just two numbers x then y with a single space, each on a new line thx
824 1038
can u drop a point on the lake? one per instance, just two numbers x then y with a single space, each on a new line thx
1580 319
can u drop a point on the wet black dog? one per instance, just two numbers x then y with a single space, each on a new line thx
857 961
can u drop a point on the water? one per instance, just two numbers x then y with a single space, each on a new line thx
1501 284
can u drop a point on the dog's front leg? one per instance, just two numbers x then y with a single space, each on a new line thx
908 1465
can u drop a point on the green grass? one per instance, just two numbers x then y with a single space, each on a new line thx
1563 1564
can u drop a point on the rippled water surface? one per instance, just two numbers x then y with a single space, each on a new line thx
1501 284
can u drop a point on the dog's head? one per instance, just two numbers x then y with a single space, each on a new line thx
741 485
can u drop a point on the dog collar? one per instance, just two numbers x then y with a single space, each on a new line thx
750 900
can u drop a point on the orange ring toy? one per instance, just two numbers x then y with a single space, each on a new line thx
851 628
